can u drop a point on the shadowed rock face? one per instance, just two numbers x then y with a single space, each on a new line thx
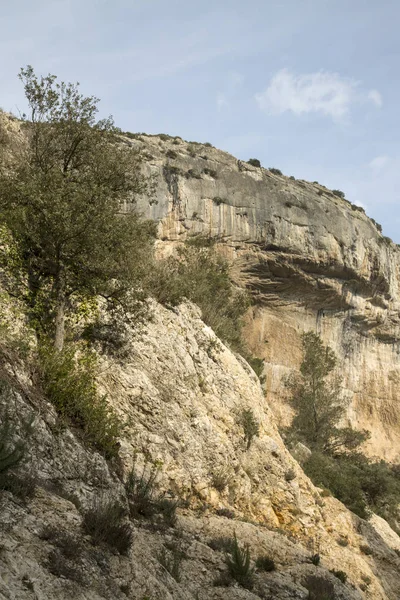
312 261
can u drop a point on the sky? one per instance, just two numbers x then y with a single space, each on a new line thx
311 87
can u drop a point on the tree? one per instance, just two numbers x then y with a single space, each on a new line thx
62 199
316 397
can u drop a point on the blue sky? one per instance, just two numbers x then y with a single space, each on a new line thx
309 86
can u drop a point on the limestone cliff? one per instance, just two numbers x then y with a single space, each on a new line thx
312 261
181 390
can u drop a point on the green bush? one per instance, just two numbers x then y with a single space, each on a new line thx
238 562
218 200
211 172
104 523
275 171
341 575
338 193
254 162
251 427
199 274
68 381
319 588
265 563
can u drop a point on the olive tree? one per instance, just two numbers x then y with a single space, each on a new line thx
66 234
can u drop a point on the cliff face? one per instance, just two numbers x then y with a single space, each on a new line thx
312 261
181 391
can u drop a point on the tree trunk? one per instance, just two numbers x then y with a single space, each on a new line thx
60 314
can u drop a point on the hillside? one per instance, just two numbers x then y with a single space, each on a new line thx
312 261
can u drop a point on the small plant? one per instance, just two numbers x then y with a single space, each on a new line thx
192 150
211 172
171 154
164 137
265 563
167 507
21 485
341 575
254 162
192 174
315 559
220 480
104 523
338 193
59 566
225 512
238 562
343 541
172 560
290 475
365 549
218 200
275 171
70 546
366 579
292 178
208 145
251 427
141 490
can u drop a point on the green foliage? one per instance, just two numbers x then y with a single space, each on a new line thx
257 364
221 544
265 563
192 174
68 379
201 275
316 397
254 162
341 575
220 479
238 562
208 145
225 512
251 426
275 171
315 559
144 498
338 193
61 198
104 522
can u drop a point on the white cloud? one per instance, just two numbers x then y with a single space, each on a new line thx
375 97
378 162
320 92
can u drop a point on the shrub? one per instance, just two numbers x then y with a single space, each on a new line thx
338 193
21 485
257 364
68 380
343 541
199 274
290 475
225 512
265 563
275 171
341 575
171 154
365 549
315 559
172 560
251 427
164 137
104 523
211 172
218 200
60 567
192 174
208 145
238 562
69 545
254 162
220 479
142 493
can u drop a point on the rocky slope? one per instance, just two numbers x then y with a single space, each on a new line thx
182 392
312 260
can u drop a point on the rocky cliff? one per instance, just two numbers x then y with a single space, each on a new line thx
312 260
181 391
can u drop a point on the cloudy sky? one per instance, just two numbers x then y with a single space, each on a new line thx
309 86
